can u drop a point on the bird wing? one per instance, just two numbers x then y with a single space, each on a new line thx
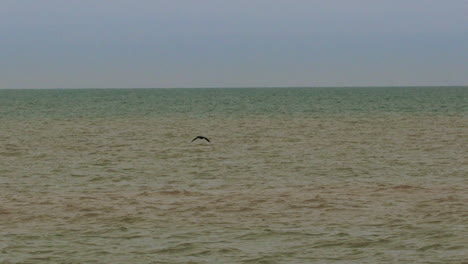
194 139
207 139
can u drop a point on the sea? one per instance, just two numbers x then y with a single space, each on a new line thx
290 175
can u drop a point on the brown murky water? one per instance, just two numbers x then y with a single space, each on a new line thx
346 188
267 190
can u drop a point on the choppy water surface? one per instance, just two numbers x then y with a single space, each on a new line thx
356 175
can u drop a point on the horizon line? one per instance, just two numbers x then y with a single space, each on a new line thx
238 87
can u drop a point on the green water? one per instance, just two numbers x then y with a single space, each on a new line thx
233 102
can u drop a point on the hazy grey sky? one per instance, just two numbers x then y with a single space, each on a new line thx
232 43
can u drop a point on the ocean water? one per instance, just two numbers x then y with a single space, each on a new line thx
292 175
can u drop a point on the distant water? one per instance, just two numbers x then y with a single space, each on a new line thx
293 175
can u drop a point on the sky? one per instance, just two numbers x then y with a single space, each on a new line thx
237 43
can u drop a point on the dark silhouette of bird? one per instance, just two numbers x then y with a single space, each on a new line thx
201 137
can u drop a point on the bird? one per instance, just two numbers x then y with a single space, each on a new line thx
201 137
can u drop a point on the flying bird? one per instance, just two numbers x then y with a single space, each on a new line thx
201 137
